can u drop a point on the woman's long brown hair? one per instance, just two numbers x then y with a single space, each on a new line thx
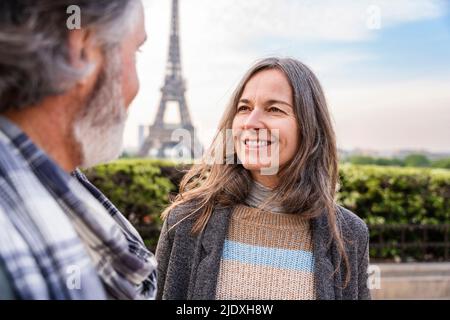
308 183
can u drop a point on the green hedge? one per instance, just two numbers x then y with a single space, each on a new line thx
388 197
140 189
393 195
379 195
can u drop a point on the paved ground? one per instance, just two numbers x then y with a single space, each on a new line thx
411 281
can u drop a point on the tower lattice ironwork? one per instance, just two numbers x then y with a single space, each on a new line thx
160 134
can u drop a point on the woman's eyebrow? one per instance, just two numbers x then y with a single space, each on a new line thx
271 101
275 101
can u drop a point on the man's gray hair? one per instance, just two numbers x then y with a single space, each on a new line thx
34 48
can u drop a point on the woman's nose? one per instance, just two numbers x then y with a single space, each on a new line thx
254 120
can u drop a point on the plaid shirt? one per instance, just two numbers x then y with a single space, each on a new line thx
60 237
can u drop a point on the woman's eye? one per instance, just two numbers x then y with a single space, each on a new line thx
242 108
275 109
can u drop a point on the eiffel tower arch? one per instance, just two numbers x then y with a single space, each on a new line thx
160 133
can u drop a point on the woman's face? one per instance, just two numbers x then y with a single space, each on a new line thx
265 128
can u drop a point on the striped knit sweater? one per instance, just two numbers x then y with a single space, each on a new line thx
266 255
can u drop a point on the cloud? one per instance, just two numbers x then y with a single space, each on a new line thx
236 22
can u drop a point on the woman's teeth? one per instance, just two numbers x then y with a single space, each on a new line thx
255 143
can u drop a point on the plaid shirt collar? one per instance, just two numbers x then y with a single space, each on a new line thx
103 243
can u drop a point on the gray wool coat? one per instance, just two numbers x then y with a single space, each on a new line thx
188 265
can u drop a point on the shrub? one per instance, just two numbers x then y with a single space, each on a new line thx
395 195
389 197
382 196
136 187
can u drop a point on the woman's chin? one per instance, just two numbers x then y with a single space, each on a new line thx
258 166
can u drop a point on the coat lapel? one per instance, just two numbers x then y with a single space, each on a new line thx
323 268
211 241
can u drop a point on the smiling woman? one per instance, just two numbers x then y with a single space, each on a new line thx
238 232
266 107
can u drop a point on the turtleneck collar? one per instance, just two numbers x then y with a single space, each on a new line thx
258 194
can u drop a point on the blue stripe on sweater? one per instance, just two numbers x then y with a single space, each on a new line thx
298 260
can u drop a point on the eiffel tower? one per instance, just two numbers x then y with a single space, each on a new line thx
159 135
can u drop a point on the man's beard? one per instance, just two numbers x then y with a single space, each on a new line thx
98 129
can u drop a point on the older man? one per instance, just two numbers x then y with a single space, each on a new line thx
64 94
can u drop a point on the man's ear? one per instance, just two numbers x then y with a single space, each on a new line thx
83 50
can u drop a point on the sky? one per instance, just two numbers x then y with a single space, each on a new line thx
384 64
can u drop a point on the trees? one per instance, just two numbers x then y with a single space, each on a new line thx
417 160
412 160
367 160
442 163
